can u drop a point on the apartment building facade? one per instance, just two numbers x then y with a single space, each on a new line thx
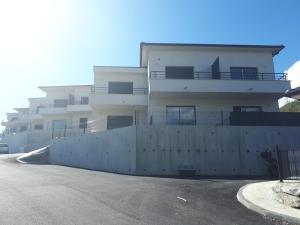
175 84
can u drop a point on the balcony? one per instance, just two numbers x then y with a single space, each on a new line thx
228 83
101 96
79 107
50 110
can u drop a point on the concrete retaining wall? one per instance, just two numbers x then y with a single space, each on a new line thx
16 142
228 150
111 150
163 150
27 141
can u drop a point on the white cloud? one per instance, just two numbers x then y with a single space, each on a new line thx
293 75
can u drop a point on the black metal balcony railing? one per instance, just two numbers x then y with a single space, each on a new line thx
160 75
105 90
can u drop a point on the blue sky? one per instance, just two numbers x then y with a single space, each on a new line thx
56 42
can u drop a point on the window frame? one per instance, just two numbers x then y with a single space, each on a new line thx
243 74
179 115
112 91
179 74
83 124
84 100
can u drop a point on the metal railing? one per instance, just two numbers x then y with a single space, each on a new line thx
216 118
198 75
288 161
105 90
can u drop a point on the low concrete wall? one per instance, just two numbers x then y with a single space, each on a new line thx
227 150
27 141
16 142
111 150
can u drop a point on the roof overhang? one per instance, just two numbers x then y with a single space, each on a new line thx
66 87
145 47
119 69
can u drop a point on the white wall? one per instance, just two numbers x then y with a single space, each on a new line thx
137 76
203 59
211 104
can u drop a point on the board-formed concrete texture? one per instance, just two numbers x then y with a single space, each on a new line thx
163 150
111 150
210 150
27 141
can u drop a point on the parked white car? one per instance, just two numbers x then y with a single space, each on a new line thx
4 149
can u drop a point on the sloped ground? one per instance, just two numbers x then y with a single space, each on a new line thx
39 156
50 194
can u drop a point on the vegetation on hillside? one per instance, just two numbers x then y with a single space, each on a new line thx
291 107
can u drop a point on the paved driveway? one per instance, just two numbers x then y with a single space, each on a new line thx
49 194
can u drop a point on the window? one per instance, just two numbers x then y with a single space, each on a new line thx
60 103
59 124
38 127
13 119
243 73
23 128
119 121
247 109
120 87
38 108
181 115
83 123
179 72
84 100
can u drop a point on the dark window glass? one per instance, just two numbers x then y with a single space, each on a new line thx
119 121
181 115
38 127
13 119
120 87
23 128
84 101
60 103
83 123
38 108
71 99
179 72
243 73
247 109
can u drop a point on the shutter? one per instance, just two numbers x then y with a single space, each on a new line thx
215 68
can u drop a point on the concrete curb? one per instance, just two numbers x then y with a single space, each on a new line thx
39 156
265 212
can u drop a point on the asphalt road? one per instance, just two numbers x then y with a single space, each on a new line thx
49 194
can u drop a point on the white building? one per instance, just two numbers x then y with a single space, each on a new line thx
185 84
189 84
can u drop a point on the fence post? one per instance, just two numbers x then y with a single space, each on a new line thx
279 164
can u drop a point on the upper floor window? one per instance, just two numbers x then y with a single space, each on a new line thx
84 100
243 73
181 115
120 87
38 108
13 119
247 109
60 103
179 72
